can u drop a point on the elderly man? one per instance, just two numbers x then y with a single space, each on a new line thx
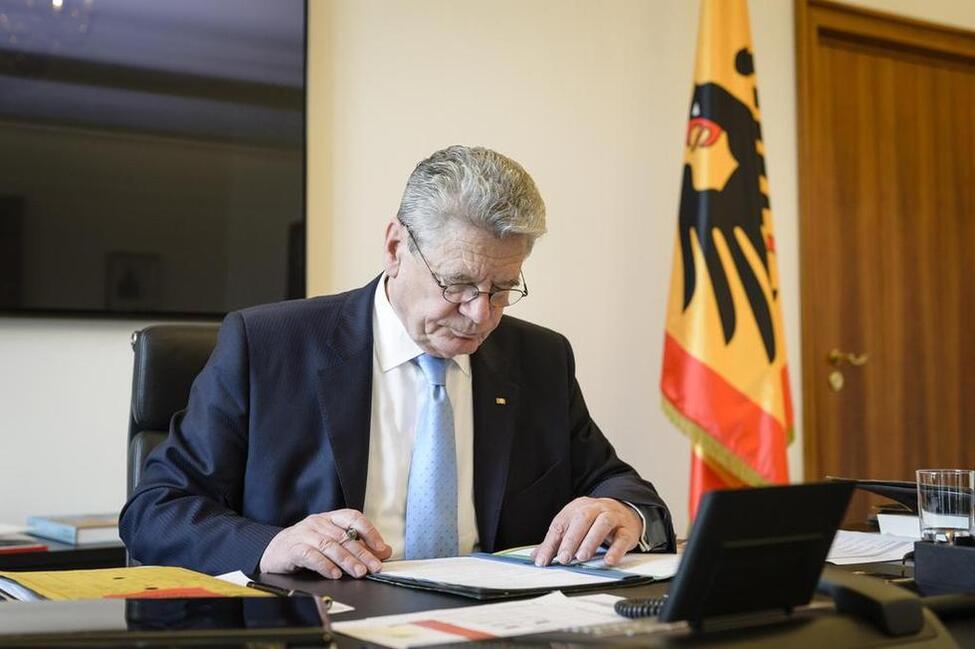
408 418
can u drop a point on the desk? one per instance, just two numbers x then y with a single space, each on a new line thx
61 556
815 627
373 598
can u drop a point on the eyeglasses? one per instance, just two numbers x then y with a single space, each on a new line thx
464 293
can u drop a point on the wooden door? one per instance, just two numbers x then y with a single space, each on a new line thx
887 242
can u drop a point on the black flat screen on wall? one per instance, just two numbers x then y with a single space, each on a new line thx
151 155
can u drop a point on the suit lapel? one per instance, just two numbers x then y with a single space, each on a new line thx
345 399
496 403
345 392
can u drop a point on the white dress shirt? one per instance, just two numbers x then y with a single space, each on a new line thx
397 388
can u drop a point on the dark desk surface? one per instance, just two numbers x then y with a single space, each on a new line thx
61 556
373 598
368 597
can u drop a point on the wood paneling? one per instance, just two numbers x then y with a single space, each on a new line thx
887 242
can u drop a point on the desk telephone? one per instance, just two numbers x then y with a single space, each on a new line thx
891 609
758 554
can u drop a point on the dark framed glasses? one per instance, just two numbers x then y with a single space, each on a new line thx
464 293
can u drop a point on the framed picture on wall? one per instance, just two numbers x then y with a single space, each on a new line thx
178 133
133 282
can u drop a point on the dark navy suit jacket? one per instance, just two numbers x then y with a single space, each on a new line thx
277 428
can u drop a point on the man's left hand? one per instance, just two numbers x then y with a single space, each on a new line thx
583 525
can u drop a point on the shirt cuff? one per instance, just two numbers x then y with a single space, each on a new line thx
644 544
652 536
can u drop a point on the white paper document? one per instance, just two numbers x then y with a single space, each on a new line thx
550 612
18 592
866 547
477 572
900 525
658 566
7 528
237 577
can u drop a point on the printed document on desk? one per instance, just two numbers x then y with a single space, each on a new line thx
508 574
550 612
657 565
866 547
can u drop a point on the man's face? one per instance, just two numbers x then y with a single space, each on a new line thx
463 255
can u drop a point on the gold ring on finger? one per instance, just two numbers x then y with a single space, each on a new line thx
351 534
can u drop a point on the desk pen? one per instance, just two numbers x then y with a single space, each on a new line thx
284 592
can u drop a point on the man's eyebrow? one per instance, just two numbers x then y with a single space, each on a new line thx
460 278
511 283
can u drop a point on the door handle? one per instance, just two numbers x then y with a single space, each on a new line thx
837 358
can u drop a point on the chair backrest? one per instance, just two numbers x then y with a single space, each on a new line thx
167 359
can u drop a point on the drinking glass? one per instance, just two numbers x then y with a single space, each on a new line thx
944 504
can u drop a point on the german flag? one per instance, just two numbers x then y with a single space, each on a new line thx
725 380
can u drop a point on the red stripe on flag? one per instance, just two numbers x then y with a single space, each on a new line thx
701 395
705 478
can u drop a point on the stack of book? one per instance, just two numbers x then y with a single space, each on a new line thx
17 543
83 529
14 541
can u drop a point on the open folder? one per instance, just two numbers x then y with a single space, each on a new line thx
511 573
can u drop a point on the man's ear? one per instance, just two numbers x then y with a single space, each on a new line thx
394 247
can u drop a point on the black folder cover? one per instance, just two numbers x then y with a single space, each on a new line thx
901 491
622 580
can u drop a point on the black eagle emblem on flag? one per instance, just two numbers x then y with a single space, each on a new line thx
737 206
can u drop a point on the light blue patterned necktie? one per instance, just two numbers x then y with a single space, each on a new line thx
431 499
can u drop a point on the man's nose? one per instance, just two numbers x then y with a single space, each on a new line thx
479 309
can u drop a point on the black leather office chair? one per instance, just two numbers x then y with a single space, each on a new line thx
167 359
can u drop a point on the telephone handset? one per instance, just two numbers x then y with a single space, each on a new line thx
890 608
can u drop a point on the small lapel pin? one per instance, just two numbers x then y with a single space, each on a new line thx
501 401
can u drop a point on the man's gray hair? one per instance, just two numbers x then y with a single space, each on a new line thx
472 185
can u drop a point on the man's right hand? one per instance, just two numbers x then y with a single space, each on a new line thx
321 543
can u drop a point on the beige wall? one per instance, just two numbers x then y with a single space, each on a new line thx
590 96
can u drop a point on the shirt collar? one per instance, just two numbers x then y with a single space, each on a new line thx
393 345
